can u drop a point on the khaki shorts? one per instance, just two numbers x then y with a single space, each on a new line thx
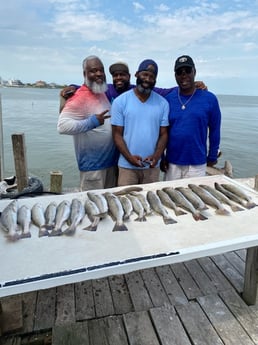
176 172
137 176
98 179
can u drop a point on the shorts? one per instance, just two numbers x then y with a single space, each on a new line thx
137 176
98 179
176 172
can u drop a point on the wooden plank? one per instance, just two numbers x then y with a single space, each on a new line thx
56 178
11 317
139 295
84 302
154 287
120 294
236 261
65 305
97 334
197 325
200 277
45 309
168 327
173 289
227 327
102 297
29 306
186 281
115 331
241 253
73 334
235 278
215 275
244 314
20 160
139 329
251 276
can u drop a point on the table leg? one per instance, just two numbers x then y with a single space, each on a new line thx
251 276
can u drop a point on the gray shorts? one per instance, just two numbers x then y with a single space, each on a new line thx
98 179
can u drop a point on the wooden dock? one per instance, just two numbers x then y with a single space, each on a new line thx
195 302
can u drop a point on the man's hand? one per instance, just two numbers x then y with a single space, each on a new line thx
102 117
200 85
67 91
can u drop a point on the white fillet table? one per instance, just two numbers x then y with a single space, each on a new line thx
39 263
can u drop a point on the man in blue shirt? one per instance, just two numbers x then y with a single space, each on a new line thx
139 119
194 118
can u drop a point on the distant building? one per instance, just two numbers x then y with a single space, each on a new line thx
15 83
40 83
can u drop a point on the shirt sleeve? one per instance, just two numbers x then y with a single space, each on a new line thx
214 131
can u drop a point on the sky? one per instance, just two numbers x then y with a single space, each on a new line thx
48 39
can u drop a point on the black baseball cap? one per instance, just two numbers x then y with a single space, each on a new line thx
119 67
184 61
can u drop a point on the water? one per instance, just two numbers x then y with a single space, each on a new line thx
34 112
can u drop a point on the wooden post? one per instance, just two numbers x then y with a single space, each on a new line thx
251 276
256 182
56 178
20 160
1 143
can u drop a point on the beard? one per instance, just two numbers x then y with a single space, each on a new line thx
142 89
123 88
95 87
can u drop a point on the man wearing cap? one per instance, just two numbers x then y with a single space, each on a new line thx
139 119
194 118
85 117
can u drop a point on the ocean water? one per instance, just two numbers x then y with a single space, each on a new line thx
34 112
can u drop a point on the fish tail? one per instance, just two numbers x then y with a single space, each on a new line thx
25 235
140 219
222 212
236 208
13 238
196 216
91 227
179 212
120 227
55 232
202 217
69 231
49 226
168 220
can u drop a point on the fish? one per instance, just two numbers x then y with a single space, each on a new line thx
239 192
227 170
116 211
93 214
194 198
168 202
35 187
182 202
158 207
232 196
76 216
50 215
222 198
209 199
127 206
62 215
38 218
100 201
145 203
8 221
127 190
24 220
138 208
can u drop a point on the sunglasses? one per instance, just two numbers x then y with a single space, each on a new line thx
187 70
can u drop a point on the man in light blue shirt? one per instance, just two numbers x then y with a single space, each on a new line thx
139 119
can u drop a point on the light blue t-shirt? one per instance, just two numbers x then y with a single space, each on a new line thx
141 122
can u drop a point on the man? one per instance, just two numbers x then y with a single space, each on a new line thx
84 117
139 119
194 117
